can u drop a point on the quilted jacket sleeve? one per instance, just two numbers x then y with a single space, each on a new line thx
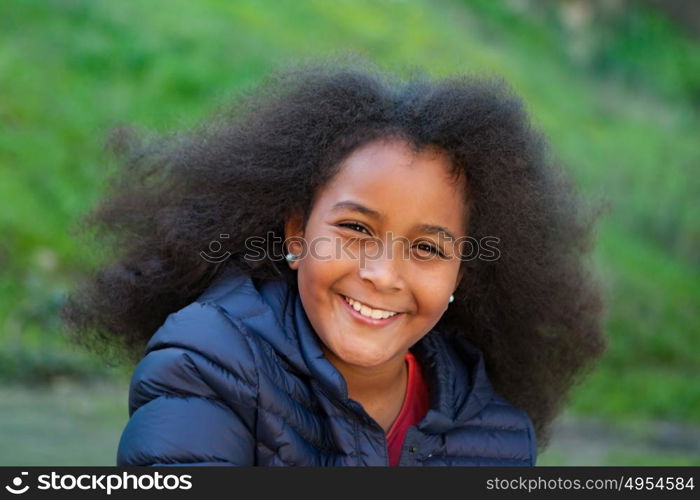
192 398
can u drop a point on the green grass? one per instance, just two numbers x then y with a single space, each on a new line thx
623 121
651 367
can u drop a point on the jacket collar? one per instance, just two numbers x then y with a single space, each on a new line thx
454 368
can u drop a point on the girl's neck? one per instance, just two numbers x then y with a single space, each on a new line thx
380 390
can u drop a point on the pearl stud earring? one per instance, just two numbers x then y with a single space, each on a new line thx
452 299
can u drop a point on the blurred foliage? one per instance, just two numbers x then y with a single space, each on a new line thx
623 40
615 89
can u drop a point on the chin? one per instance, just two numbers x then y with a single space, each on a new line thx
366 359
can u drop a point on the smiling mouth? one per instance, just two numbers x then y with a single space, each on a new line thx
371 315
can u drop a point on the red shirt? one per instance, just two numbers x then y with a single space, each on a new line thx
415 406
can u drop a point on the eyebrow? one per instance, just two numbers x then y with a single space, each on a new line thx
357 207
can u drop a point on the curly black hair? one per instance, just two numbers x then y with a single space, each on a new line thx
536 312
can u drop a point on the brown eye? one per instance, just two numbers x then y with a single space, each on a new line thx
430 249
354 226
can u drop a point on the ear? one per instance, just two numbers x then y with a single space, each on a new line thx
294 236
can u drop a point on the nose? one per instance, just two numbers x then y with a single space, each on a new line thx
382 267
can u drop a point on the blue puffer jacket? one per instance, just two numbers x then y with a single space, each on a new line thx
238 378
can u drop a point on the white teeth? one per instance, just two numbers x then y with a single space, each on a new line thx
368 311
377 314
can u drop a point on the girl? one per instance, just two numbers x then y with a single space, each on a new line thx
345 268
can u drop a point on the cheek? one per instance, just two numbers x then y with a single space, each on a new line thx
432 292
320 269
326 258
320 249
431 305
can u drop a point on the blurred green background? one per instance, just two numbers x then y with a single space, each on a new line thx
615 85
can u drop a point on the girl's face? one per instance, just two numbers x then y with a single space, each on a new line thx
372 237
